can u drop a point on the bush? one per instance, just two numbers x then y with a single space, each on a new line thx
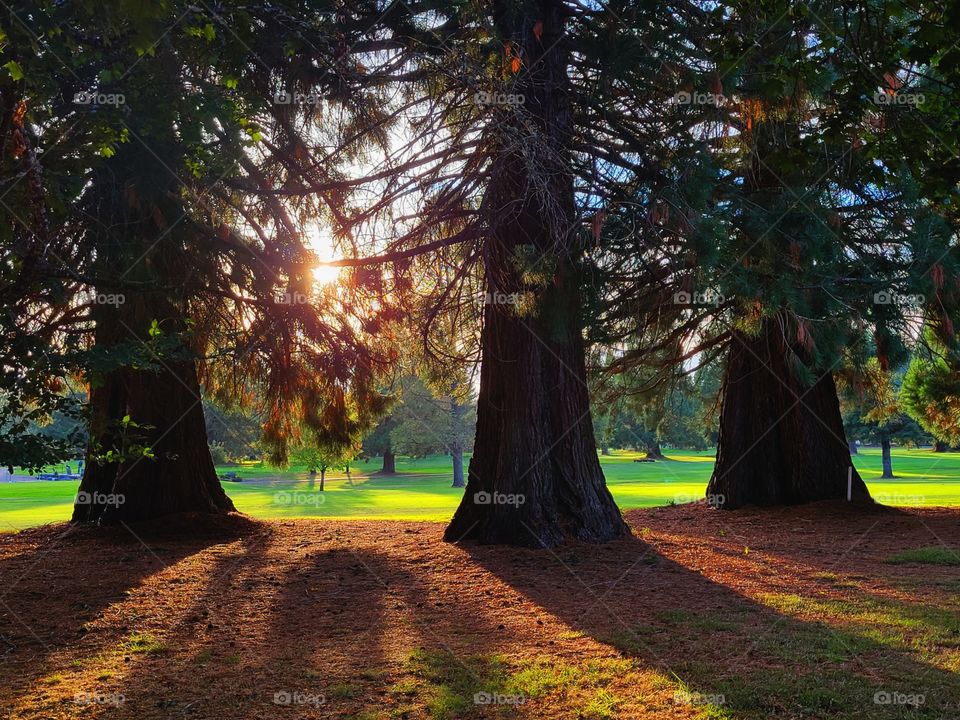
218 453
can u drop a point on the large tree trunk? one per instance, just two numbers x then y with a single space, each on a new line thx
389 463
781 442
156 406
165 405
534 478
940 446
886 459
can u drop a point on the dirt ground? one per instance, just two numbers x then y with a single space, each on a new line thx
700 614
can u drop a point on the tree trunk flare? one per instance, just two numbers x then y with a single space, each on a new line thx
457 456
534 478
165 403
774 449
389 463
886 458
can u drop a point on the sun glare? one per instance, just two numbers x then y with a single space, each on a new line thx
321 243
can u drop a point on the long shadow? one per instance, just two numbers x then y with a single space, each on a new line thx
58 582
744 658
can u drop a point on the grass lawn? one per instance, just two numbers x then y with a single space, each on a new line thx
421 489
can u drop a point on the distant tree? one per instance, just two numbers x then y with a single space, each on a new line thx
235 431
320 457
377 443
428 424
873 412
931 391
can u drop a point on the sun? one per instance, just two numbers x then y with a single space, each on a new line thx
320 241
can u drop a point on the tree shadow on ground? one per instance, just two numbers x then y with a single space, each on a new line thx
382 621
61 586
731 654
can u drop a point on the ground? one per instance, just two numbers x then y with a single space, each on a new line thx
812 612
421 490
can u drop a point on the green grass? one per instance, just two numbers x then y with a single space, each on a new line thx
421 489
937 555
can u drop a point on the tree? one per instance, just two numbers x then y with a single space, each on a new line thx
427 423
876 414
931 390
791 227
319 458
158 254
378 442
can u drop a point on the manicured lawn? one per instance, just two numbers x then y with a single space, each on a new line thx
421 490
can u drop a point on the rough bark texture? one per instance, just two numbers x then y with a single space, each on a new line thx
781 442
137 252
165 403
389 463
534 478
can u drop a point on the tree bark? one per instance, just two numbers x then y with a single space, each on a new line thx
165 403
852 446
133 199
389 463
534 478
323 478
940 446
781 442
886 458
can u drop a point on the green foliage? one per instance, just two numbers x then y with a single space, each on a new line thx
931 390
427 424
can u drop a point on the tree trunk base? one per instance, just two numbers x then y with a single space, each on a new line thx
781 442
179 478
